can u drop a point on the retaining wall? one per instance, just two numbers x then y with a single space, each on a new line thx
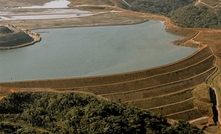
159 89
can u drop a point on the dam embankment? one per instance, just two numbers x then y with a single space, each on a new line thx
198 56
155 89
81 53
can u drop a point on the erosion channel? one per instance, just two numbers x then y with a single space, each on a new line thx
214 101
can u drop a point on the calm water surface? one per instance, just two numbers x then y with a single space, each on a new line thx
56 9
53 4
88 51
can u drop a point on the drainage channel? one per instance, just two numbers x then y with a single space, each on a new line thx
214 108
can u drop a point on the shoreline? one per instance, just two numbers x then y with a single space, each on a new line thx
82 22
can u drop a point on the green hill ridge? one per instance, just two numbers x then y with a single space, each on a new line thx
65 113
184 13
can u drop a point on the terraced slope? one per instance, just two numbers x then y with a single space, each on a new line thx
167 89
170 94
176 105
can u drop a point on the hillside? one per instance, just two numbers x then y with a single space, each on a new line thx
185 13
66 113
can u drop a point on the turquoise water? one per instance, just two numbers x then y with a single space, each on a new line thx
89 51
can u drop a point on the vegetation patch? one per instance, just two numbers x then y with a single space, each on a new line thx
183 12
196 17
61 113
163 7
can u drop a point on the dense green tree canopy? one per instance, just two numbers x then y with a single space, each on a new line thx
65 113
182 12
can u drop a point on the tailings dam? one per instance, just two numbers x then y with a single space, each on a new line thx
171 89
92 51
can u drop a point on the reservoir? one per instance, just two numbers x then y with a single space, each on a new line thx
92 51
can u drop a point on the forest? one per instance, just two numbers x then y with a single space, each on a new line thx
183 12
69 113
